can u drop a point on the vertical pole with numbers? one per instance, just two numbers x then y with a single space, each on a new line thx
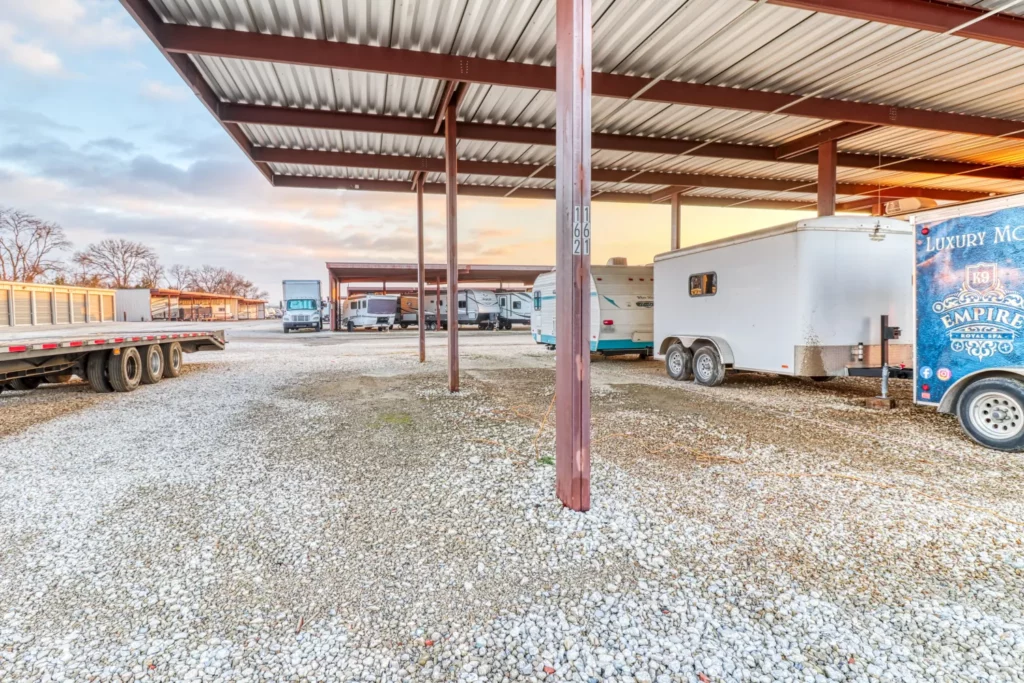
572 335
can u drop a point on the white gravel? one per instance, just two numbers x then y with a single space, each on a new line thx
317 507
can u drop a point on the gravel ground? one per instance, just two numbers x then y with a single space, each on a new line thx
317 507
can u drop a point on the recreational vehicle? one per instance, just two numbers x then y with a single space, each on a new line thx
476 307
369 311
513 309
621 309
408 311
802 299
969 317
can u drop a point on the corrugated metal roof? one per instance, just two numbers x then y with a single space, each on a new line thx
732 43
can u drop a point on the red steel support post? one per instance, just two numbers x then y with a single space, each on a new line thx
572 307
452 196
676 230
827 156
420 271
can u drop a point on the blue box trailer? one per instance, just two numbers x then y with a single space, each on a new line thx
969 317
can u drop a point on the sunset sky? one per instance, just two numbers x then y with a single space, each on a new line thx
99 134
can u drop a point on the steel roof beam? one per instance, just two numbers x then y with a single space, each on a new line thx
924 15
610 175
212 42
490 132
809 142
354 184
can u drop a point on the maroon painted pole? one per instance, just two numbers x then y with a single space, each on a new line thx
452 194
572 351
676 230
827 156
437 305
421 299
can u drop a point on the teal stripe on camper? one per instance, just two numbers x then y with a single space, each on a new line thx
619 345
547 339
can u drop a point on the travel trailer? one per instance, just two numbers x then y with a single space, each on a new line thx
301 305
476 307
621 309
514 309
802 299
969 316
408 311
366 311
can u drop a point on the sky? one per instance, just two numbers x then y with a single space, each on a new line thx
99 134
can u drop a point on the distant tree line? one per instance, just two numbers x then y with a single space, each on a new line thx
29 248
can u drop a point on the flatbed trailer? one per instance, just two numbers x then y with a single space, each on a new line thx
108 361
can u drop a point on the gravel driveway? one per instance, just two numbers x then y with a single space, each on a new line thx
317 507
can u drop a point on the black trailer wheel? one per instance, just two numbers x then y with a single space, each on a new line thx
823 378
319 327
679 363
405 326
708 369
124 370
26 383
96 372
991 411
350 326
152 364
172 359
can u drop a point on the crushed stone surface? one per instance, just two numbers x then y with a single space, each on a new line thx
317 507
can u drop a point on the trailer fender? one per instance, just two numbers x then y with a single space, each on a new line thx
949 401
690 341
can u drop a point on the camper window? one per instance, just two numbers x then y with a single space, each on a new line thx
516 305
704 284
536 301
462 304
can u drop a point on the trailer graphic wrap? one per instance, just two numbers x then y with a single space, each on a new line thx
970 307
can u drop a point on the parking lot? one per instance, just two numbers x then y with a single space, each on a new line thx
316 506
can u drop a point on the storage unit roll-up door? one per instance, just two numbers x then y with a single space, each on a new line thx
108 308
94 308
78 306
44 311
5 318
63 310
22 308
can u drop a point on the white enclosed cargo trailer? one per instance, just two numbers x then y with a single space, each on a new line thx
301 305
621 309
802 299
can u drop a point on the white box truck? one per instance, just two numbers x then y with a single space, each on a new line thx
301 305
969 316
802 299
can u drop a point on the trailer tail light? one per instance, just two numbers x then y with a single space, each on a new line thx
17 349
925 231
925 387
609 323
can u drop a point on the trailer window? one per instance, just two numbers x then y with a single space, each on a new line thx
516 305
462 304
704 284
536 301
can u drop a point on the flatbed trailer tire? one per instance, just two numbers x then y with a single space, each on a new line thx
152 364
991 412
96 372
124 370
172 359
25 383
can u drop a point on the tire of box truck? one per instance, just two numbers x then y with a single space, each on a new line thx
124 370
679 363
991 411
152 364
708 369
96 372
25 383
172 359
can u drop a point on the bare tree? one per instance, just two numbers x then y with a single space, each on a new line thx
27 246
152 274
119 263
178 276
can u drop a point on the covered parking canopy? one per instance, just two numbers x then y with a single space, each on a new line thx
838 104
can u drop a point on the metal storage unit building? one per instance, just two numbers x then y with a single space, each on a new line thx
26 304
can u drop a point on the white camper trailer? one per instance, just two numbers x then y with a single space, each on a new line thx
802 299
621 309
369 311
513 309
476 307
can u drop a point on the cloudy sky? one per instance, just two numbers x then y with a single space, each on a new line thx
99 134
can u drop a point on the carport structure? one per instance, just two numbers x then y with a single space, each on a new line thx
834 104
